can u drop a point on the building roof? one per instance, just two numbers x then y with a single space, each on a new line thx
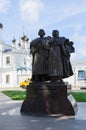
8 50
21 68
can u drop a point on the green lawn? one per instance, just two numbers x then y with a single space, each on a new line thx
79 96
20 95
15 94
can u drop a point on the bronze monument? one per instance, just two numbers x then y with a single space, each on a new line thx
48 94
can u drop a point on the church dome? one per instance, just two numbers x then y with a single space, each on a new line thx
14 40
23 37
1 26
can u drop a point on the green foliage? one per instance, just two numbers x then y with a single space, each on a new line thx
20 95
15 94
79 96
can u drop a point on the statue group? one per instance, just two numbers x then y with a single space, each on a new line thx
47 94
51 57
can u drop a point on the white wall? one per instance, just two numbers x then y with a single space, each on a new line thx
13 79
19 59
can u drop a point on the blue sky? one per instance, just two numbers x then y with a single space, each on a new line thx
67 16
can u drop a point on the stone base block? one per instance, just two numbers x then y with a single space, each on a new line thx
48 99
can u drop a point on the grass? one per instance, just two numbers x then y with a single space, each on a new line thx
15 94
20 95
79 96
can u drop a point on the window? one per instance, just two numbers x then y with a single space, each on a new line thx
7 78
81 74
7 59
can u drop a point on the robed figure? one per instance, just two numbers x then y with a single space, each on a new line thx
67 68
51 57
55 70
39 50
59 58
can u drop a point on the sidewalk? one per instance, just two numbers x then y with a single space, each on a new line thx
11 119
10 88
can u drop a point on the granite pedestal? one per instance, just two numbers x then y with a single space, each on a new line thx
48 99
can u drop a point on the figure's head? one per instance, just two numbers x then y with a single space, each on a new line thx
55 33
41 33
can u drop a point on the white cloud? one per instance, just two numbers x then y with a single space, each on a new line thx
74 9
65 10
31 9
4 5
80 43
79 38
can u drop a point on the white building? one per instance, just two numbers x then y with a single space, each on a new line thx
15 62
78 80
